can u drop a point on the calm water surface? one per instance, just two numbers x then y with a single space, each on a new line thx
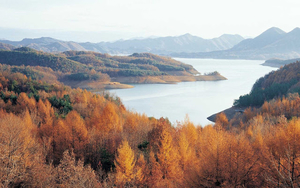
197 99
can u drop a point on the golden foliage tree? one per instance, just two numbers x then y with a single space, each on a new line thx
79 134
125 163
18 151
168 158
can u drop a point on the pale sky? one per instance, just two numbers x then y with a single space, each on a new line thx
107 20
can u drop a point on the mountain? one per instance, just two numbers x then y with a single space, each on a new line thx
46 44
166 45
273 43
266 38
160 45
4 46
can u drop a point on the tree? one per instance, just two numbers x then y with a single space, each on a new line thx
124 163
18 151
141 173
108 120
78 131
284 156
72 173
168 158
155 173
222 120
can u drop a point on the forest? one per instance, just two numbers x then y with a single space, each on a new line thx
71 62
54 136
273 85
97 71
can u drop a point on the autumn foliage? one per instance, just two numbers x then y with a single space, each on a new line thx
55 136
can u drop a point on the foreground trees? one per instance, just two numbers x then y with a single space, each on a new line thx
101 144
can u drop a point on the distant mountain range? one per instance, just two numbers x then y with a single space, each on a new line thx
273 43
165 45
161 45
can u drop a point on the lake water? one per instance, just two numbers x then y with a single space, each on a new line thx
197 99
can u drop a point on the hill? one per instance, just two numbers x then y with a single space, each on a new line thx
273 85
273 43
4 46
93 70
161 45
45 44
27 56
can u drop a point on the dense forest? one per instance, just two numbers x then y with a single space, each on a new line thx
55 136
273 85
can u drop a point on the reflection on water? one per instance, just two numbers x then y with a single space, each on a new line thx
197 99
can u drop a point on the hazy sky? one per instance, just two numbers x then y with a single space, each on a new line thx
106 20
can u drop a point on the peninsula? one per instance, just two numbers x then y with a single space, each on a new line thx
94 71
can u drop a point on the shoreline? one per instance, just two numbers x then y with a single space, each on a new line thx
125 82
229 112
169 79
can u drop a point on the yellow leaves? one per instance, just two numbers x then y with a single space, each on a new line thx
124 163
17 149
131 122
221 120
78 132
154 170
109 120
185 151
168 157
45 112
141 171
25 102
28 121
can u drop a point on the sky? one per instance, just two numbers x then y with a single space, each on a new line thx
110 20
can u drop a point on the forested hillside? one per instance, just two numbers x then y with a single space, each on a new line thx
273 85
91 70
27 56
55 136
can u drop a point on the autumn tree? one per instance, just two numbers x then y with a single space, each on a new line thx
18 151
79 134
155 173
108 120
125 164
222 120
141 172
284 147
72 173
168 158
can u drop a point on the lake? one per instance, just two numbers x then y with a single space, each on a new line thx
197 99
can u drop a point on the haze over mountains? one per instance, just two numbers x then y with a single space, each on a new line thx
165 45
273 43
161 45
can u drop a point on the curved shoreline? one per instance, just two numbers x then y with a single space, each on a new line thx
229 112
167 79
